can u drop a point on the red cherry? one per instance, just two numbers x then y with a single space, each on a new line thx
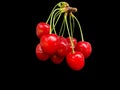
49 43
74 40
63 46
57 59
42 29
84 47
40 54
75 60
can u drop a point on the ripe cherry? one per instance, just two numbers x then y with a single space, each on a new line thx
63 47
49 43
84 47
74 40
57 59
75 60
42 29
40 54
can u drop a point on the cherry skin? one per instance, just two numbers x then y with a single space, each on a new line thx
49 43
42 28
75 60
74 40
84 47
63 46
57 59
40 54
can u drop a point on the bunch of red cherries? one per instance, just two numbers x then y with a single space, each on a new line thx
54 45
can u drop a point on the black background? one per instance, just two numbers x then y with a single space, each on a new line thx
27 69
46 70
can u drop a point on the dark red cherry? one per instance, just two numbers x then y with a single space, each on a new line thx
57 59
40 54
84 47
42 28
74 40
49 43
62 47
75 60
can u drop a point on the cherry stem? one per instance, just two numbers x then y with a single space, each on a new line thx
51 20
62 27
63 4
69 33
51 13
58 18
58 14
70 26
79 27
60 5
73 23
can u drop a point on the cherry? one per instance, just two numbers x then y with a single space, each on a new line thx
42 28
49 43
40 54
57 59
74 40
63 46
84 47
75 60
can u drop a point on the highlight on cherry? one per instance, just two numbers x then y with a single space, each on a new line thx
55 46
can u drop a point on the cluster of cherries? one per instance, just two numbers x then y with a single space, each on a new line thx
57 47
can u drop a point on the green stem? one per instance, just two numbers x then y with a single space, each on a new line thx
58 19
61 27
63 4
54 24
51 13
79 27
69 33
73 23
57 5
71 26
51 17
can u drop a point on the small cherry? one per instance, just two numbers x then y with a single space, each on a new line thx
49 43
63 47
42 28
75 60
84 47
40 54
56 59
74 40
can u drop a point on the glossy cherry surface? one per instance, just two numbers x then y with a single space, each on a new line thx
62 46
42 28
56 59
40 54
74 40
49 43
75 60
84 47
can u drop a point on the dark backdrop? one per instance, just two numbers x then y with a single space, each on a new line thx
28 69
87 15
